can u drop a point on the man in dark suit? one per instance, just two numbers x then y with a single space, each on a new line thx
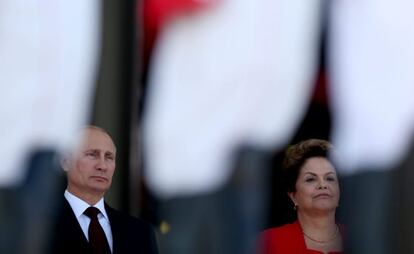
86 224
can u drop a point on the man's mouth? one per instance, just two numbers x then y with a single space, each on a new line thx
99 178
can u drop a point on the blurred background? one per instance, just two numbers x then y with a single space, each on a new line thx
201 99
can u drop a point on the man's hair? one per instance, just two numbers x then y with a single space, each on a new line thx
97 128
296 156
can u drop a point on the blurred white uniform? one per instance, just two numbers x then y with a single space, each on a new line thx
48 62
371 68
242 71
238 72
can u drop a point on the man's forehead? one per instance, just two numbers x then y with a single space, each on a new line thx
96 140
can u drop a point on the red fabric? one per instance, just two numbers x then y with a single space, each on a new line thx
287 239
320 94
157 11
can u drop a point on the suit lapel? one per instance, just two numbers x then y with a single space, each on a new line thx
69 237
72 227
114 221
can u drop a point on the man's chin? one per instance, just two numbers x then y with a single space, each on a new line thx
100 187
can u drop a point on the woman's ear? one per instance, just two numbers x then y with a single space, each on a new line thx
292 197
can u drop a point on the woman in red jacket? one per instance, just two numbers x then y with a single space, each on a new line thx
312 185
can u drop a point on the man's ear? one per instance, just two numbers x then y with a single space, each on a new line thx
66 162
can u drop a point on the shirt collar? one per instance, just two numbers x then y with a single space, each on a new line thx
79 206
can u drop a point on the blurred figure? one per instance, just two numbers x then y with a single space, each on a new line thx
228 82
48 47
205 68
312 185
87 224
49 55
217 75
370 57
208 64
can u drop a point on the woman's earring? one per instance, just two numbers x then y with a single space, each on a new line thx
295 207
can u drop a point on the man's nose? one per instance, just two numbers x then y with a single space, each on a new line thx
102 164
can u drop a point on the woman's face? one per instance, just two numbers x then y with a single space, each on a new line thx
317 188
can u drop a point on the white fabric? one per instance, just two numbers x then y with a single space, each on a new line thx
238 72
48 60
372 59
79 206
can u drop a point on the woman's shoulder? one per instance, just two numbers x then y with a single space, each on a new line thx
284 230
287 238
284 239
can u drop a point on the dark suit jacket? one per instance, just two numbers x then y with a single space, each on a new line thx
130 235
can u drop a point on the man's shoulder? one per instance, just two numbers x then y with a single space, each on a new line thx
125 219
131 234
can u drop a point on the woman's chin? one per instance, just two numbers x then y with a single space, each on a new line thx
324 207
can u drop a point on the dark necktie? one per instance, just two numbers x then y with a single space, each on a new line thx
97 238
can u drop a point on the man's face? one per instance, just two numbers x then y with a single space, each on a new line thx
91 168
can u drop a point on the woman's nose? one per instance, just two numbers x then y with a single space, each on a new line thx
322 185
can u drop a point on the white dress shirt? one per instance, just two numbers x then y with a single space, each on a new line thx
79 206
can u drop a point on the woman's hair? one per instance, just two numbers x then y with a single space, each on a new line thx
296 156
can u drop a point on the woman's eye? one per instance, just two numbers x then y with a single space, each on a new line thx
331 179
309 180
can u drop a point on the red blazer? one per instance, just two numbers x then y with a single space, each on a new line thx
287 239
